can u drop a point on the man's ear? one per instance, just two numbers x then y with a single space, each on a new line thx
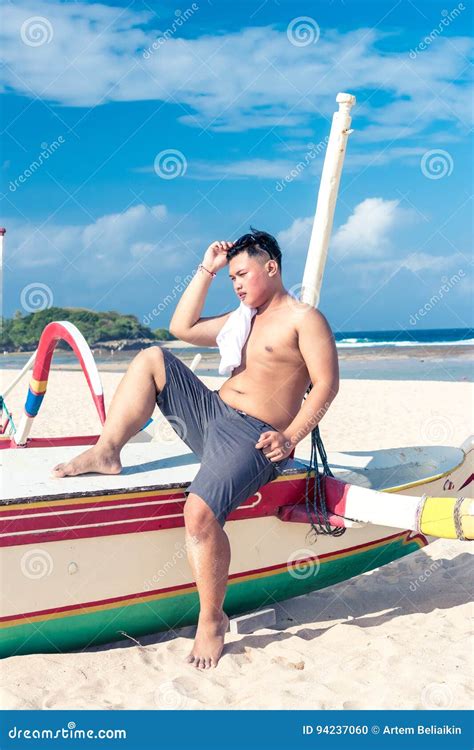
272 267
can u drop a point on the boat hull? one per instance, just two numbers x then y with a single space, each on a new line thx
302 568
94 559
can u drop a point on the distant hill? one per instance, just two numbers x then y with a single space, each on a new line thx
22 332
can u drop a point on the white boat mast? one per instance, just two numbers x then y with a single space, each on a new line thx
2 235
326 204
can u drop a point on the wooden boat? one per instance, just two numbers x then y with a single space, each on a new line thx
91 559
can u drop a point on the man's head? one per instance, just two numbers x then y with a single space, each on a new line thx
255 267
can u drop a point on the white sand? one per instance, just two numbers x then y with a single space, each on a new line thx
388 639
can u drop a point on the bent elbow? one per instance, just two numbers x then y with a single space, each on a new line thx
176 331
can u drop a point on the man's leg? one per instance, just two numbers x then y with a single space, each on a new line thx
132 405
209 556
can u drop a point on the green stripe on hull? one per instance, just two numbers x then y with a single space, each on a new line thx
73 632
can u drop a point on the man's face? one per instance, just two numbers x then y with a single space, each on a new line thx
250 279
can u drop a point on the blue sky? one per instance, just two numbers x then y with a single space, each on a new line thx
240 93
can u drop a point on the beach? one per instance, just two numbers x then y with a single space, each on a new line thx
396 637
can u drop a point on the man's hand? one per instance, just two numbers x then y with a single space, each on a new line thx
275 445
215 256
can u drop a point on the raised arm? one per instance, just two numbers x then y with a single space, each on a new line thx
186 322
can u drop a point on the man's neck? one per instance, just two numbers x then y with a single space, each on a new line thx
273 301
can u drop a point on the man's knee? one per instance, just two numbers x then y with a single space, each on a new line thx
152 358
198 517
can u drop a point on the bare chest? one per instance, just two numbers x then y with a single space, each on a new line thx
271 343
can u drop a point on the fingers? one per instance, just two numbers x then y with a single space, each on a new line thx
264 440
222 245
275 455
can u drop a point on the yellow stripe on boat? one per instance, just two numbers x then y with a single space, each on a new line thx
38 386
438 518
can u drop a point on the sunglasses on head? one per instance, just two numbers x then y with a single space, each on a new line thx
248 239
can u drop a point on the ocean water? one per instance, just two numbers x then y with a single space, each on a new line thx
435 354
419 338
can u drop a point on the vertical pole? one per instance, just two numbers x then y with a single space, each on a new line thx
2 236
326 204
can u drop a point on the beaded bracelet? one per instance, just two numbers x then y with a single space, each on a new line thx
211 273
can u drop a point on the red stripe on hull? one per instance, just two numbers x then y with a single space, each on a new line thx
30 527
408 535
52 442
98 508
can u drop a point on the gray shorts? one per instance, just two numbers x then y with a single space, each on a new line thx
223 438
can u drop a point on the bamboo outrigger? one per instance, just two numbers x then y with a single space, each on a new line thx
88 559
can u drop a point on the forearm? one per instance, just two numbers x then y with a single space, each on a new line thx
313 409
189 308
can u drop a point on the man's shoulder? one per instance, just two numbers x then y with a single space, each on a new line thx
312 323
302 313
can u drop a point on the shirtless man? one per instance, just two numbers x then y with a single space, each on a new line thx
244 433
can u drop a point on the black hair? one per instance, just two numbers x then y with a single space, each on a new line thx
256 244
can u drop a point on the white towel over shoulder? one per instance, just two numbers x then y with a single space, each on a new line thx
231 339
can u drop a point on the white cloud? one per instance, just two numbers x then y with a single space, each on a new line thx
295 239
365 244
299 168
366 232
232 81
266 169
419 263
100 251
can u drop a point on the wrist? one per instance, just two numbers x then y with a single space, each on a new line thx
290 439
207 270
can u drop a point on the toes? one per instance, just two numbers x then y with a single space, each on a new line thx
59 471
190 658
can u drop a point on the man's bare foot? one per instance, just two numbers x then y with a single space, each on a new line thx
94 460
209 642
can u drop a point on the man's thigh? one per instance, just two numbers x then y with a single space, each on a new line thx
232 469
187 403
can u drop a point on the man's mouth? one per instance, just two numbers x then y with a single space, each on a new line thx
241 295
